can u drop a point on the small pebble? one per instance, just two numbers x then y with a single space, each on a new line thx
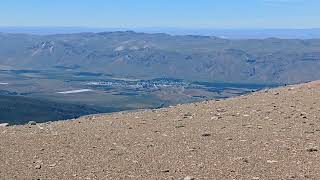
206 135
271 161
189 178
52 165
312 149
165 171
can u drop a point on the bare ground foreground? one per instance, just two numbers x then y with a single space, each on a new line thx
271 134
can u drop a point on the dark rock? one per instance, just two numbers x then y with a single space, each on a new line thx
187 115
312 149
205 135
165 170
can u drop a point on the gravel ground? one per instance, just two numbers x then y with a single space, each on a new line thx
271 134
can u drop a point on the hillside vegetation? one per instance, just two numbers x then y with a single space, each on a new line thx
20 110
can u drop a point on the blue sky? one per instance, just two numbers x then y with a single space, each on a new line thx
162 13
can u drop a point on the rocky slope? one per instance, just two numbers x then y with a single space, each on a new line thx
271 134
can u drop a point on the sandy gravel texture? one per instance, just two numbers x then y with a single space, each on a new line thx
271 134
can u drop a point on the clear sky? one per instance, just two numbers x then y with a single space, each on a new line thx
162 13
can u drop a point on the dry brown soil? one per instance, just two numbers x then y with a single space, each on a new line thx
271 134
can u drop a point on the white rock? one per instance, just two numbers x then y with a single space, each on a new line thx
32 123
189 178
214 118
4 124
272 161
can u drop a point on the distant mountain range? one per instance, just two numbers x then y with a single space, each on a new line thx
248 33
142 55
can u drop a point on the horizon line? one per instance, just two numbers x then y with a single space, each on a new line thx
168 27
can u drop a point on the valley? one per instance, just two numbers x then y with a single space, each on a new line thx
49 95
125 71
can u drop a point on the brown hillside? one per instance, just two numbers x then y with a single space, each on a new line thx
272 134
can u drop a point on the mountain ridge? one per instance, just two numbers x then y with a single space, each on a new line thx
143 55
246 33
